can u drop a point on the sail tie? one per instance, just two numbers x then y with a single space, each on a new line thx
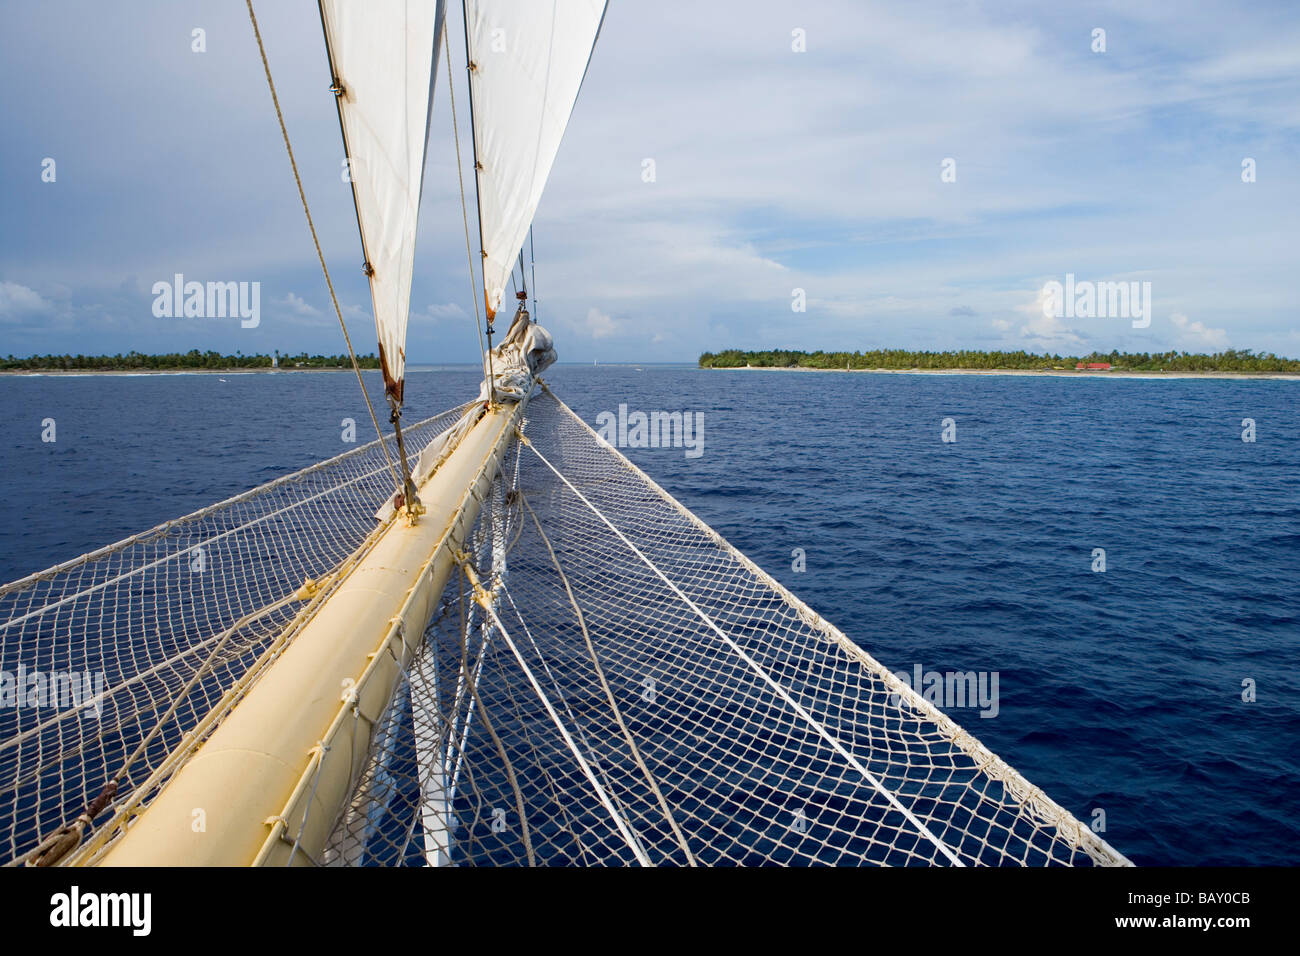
407 497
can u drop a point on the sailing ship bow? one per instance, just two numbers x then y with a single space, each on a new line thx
325 722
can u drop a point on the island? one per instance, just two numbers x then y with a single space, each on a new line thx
1231 361
193 360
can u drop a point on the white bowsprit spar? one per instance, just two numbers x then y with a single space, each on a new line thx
485 638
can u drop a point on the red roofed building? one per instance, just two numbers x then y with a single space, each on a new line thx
1094 366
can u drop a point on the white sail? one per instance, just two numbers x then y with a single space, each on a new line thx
529 58
384 58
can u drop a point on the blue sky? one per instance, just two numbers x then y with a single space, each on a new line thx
774 170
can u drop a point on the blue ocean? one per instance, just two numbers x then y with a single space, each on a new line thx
1158 697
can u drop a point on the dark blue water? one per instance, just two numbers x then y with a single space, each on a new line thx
1119 691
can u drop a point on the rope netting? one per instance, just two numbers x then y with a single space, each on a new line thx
95 653
612 683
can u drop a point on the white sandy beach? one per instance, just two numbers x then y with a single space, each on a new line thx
1064 373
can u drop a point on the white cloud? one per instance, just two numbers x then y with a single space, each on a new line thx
446 310
300 306
1002 325
1049 332
1198 332
600 325
1265 61
18 300
1045 331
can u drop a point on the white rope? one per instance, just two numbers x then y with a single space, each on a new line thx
563 699
633 843
767 678
609 694
464 206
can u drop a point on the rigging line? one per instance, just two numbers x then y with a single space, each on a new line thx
501 749
463 635
581 734
293 163
624 830
462 683
609 694
67 837
464 207
492 532
586 742
469 69
485 640
440 725
468 614
168 526
180 554
564 702
521 291
560 804
532 258
567 818
763 674
478 199
322 750
619 822
407 678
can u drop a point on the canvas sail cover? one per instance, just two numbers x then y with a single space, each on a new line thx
529 58
384 58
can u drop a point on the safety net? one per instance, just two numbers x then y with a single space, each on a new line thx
610 682
115 665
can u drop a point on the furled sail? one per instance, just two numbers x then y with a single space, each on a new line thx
528 61
384 58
